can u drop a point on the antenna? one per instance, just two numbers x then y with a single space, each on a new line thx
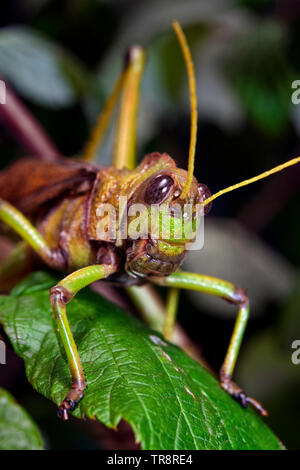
263 175
193 104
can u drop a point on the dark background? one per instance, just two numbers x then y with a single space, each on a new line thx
61 57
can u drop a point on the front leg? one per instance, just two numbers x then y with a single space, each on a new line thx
60 295
14 219
233 294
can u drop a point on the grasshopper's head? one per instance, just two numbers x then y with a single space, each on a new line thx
167 222
176 194
173 195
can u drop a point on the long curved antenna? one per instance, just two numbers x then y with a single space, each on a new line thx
263 175
193 103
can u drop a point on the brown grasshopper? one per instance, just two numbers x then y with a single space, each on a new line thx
54 207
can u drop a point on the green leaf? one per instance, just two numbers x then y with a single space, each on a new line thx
17 430
132 373
41 70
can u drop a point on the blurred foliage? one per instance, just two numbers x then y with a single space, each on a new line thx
269 371
17 430
246 55
261 76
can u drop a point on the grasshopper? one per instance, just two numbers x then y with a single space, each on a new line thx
54 209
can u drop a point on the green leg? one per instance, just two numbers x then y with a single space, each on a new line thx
149 304
127 84
233 294
151 308
171 311
158 316
125 141
60 295
98 131
21 225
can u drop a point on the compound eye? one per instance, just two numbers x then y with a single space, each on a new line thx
204 194
158 189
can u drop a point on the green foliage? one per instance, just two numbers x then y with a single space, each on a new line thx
257 68
17 430
170 66
170 401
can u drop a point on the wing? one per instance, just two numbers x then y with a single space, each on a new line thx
30 184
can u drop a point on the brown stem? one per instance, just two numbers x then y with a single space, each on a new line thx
25 128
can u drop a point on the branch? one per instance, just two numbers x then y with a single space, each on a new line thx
25 128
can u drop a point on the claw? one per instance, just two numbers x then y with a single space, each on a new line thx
238 394
67 405
62 413
242 399
258 406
